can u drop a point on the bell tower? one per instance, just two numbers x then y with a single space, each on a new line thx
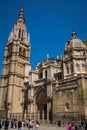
74 61
16 67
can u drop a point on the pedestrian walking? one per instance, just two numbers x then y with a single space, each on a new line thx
69 126
82 124
37 126
3 123
59 123
12 123
30 125
76 126
6 124
19 125
85 125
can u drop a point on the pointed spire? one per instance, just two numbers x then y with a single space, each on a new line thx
21 16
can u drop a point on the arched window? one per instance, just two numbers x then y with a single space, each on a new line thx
77 67
71 67
24 53
59 76
19 34
40 74
66 106
83 67
67 69
22 35
46 73
20 51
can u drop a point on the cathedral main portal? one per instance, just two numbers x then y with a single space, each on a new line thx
41 101
44 106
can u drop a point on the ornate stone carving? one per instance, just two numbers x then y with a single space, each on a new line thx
49 98
30 100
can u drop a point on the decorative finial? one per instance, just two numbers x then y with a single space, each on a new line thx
73 34
61 56
28 37
22 10
38 63
57 57
47 56
21 15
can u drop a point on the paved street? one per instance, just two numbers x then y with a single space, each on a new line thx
51 127
44 127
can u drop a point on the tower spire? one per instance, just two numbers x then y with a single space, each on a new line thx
21 16
17 51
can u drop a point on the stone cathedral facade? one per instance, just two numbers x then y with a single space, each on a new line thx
51 91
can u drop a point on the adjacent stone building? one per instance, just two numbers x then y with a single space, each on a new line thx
56 89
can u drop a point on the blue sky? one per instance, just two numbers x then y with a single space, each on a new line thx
50 23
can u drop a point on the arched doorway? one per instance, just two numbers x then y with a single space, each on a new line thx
41 101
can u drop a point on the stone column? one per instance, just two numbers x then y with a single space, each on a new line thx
80 66
48 112
25 115
48 117
30 115
85 91
34 109
43 116
38 115
64 68
34 112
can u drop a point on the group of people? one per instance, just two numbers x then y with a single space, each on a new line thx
14 123
32 124
77 126
4 123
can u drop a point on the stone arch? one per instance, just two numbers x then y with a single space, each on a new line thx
40 75
71 66
24 52
41 102
67 69
41 99
45 73
20 50
67 106
19 34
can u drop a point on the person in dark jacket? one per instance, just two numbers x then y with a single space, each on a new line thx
6 123
59 123
86 125
19 125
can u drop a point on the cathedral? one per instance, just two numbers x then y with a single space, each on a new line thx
55 90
